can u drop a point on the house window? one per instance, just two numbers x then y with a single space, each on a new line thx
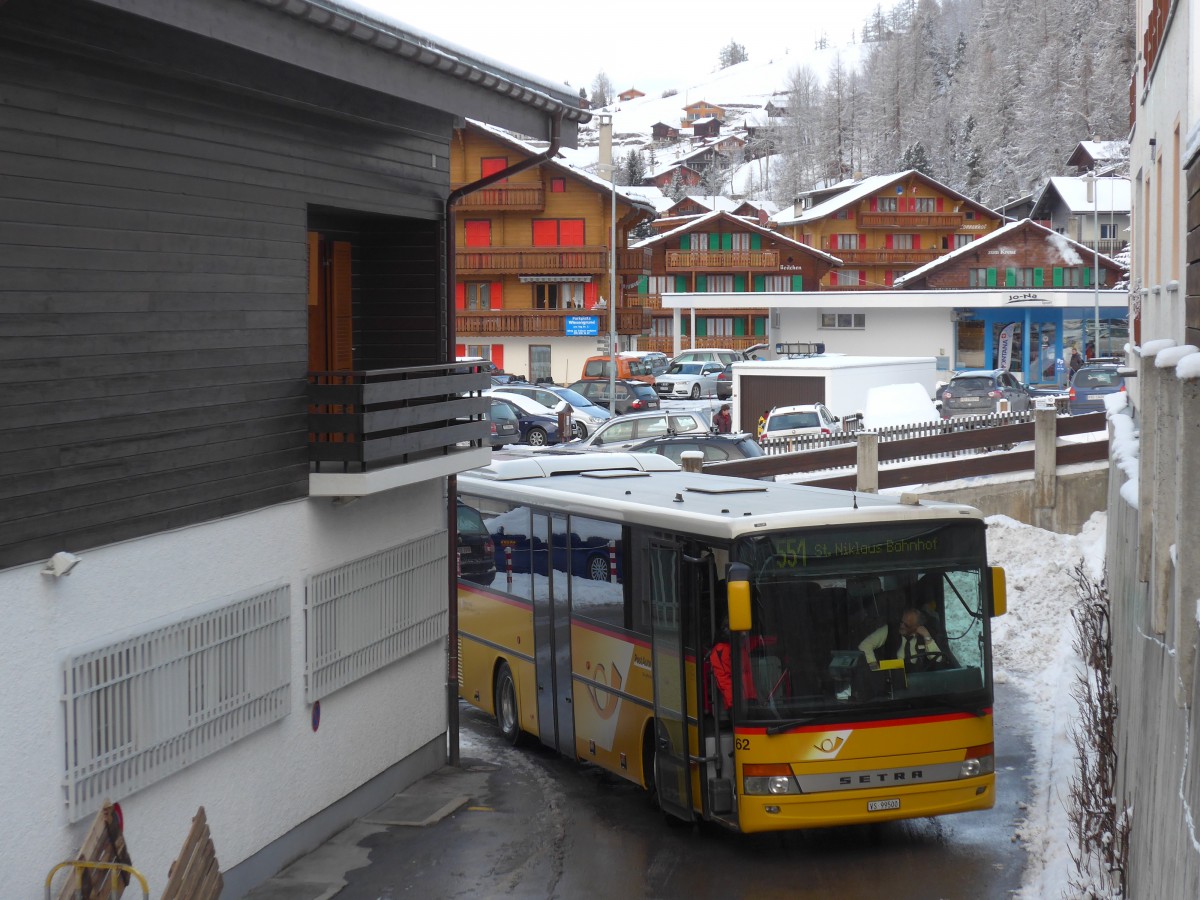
844 320
661 327
478 232
714 325
558 233
698 241
1020 277
719 284
970 215
961 240
843 277
777 283
842 214
558 296
902 241
539 363
479 295
558 185
1108 232
482 351
925 205
977 278
660 284
886 204
846 242
740 241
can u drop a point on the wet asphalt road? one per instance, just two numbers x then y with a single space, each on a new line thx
539 826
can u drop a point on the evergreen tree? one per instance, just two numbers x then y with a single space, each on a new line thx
732 54
634 169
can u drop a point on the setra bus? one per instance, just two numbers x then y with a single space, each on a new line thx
621 583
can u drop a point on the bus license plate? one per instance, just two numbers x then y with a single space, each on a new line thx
880 805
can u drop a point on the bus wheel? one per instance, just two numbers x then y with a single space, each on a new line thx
507 712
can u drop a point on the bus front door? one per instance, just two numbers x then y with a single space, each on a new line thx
672 775
552 633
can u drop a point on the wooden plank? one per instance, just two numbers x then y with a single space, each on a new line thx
195 873
104 842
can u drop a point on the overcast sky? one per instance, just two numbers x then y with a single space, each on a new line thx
645 44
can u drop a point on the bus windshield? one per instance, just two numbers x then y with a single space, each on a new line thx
863 620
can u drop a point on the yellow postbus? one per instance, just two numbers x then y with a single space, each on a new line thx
733 645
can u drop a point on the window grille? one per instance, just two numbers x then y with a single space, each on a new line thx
143 708
369 613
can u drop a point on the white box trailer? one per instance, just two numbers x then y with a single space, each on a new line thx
840 382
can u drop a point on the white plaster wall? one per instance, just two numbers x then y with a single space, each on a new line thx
260 787
567 355
889 332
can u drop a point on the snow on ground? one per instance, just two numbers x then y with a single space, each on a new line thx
1034 650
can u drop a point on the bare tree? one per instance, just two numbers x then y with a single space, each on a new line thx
602 90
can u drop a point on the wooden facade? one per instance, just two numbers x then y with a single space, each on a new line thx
701 109
718 252
521 269
886 227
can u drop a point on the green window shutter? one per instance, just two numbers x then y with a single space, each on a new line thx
714 241
739 327
991 278
1010 277
643 284
755 241
1087 277
739 284
797 282
760 283
701 284
727 242
701 328
685 242
1038 278
760 326
681 284
1058 276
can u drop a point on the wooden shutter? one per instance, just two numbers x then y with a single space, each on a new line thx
701 284
701 326
833 278
862 242
1038 277
862 276
460 296
1087 276
739 326
739 284
727 242
890 241
759 285
497 295
916 242
889 278
685 242
874 204
571 233
850 213
755 241
714 241
1010 277
681 286
591 293
1058 276
798 282
941 204
490 165
545 232
478 232
497 356
460 349
991 277
341 309
643 284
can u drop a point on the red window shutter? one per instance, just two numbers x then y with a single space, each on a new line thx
862 242
912 204
460 349
497 292
460 296
916 242
558 185
889 278
545 232
862 276
590 294
874 204
941 204
341 332
889 242
478 232
570 232
498 355
490 165
833 278
850 213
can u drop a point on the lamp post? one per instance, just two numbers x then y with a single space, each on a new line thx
606 162
1093 184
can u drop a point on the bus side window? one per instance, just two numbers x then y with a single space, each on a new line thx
597 565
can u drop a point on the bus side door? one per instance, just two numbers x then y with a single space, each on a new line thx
661 584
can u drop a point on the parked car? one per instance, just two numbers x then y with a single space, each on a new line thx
505 427
536 429
1090 384
586 416
503 379
710 355
485 365
978 391
793 421
631 396
688 379
715 447
629 368
656 362
725 383
624 431
476 550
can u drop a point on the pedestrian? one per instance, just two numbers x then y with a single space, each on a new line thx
722 422
1090 350
1074 360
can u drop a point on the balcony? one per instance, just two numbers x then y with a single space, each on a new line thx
539 322
643 301
384 429
638 261
1107 246
906 221
531 261
887 257
667 344
697 260
502 197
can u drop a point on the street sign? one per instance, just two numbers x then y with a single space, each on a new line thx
582 326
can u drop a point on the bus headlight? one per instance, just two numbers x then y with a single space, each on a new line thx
769 779
980 760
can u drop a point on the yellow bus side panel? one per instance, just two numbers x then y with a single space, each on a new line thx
507 627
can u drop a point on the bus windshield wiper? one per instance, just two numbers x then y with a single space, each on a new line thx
779 727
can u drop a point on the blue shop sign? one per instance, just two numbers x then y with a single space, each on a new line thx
582 326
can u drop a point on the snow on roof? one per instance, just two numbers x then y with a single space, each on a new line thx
864 188
1112 194
1072 252
693 221
625 192
1106 151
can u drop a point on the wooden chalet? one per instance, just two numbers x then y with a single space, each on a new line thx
701 109
532 254
718 252
884 226
684 174
631 94
706 128
661 131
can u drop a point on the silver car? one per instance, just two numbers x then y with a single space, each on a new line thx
979 392
688 379
586 416
625 431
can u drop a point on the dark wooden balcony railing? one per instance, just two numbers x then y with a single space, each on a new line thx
905 220
643 301
532 260
517 197
635 260
364 421
667 344
722 259
887 257
538 322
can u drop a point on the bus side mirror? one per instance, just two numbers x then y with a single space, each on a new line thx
999 591
737 590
